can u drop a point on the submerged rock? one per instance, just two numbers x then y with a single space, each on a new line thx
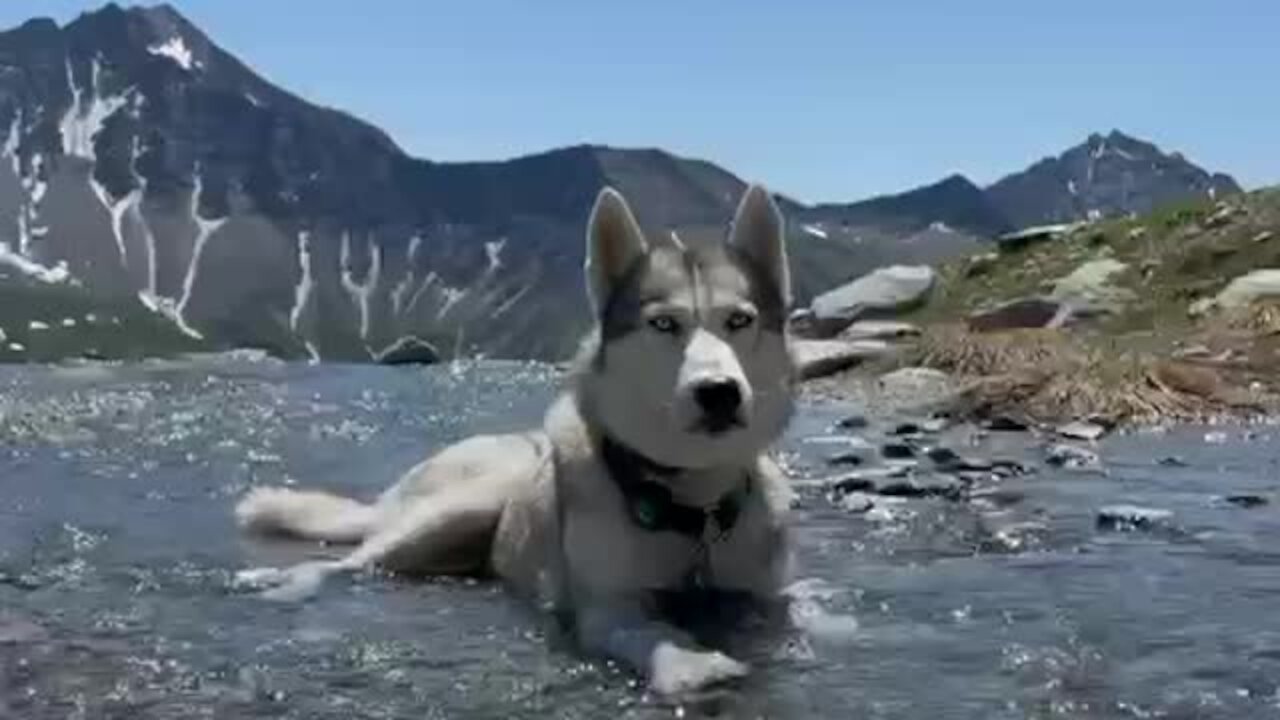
887 290
819 358
409 350
1132 517
1246 500
1072 457
1081 430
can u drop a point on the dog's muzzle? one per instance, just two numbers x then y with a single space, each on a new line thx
720 402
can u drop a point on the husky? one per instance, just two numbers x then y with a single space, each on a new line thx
649 476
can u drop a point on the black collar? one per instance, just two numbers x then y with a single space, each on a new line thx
650 504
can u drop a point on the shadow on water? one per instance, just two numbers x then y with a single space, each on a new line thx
117 556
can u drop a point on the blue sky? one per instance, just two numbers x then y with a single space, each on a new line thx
831 100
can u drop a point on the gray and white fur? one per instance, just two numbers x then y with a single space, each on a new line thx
688 375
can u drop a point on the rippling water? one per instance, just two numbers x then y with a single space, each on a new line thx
117 556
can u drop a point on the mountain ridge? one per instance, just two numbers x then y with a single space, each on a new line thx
143 160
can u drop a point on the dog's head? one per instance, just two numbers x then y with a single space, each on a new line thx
690 366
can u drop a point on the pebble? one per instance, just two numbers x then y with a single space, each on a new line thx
856 502
935 424
1081 430
846 458
853 422
1072 457
922 488
1002 423
1246 500
1132 517
906 428
897 451
1172 461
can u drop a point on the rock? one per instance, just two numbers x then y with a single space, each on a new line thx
1172 461
879 330
1020 535
905 429
926 487
1137 233
1072 457
1081 430
1032 235
944 456
867 480
1021 314
853 422
935 424
1246 500
1242 292
409 350
1004 423
819 358
1215 437
888 290
856 502
1263 236
918 388
1132 517
897 451
1221 216
981 264
1089 287
846 458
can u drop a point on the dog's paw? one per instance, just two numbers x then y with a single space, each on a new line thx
286 584
677 671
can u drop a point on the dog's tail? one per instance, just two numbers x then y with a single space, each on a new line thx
309 515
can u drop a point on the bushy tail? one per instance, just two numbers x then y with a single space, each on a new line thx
310 515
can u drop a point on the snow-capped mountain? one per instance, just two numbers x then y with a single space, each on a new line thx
149 178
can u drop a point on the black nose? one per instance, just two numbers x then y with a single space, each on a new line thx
719 400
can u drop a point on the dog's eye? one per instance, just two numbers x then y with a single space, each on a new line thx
664 324
739 320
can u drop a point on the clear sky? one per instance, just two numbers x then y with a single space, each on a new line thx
822 100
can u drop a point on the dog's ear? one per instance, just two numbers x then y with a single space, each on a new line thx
614 243
758 232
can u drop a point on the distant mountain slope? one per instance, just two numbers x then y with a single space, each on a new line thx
1104 176
146 167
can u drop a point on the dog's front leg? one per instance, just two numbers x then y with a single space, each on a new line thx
673 663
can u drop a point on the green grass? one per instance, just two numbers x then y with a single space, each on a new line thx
1173 256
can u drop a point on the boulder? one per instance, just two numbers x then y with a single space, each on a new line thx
1021 314
885 291
879 330
981 264
408 351
918 388
819 358
1089 287
1242 292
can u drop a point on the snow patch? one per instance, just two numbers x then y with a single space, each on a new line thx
175 48
37 325
493 251
306 282
204 230
510 302
1071 187
410 275
12 141
815 231
361 293
253 99
49 275
939 226
84 119
451 297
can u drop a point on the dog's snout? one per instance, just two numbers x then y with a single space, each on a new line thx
719 399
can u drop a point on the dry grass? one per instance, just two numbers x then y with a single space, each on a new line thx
1055 375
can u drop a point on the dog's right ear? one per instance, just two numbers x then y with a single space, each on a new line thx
614 243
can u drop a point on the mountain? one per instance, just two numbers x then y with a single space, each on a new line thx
1106 175
151 179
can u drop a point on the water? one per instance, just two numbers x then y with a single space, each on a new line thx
117 558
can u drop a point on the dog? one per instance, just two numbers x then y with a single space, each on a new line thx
650 474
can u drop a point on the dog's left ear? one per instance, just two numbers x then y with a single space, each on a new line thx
758 232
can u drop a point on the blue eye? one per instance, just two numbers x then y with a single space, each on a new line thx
739 320
664 324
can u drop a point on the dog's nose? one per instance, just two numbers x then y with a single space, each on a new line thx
719 399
